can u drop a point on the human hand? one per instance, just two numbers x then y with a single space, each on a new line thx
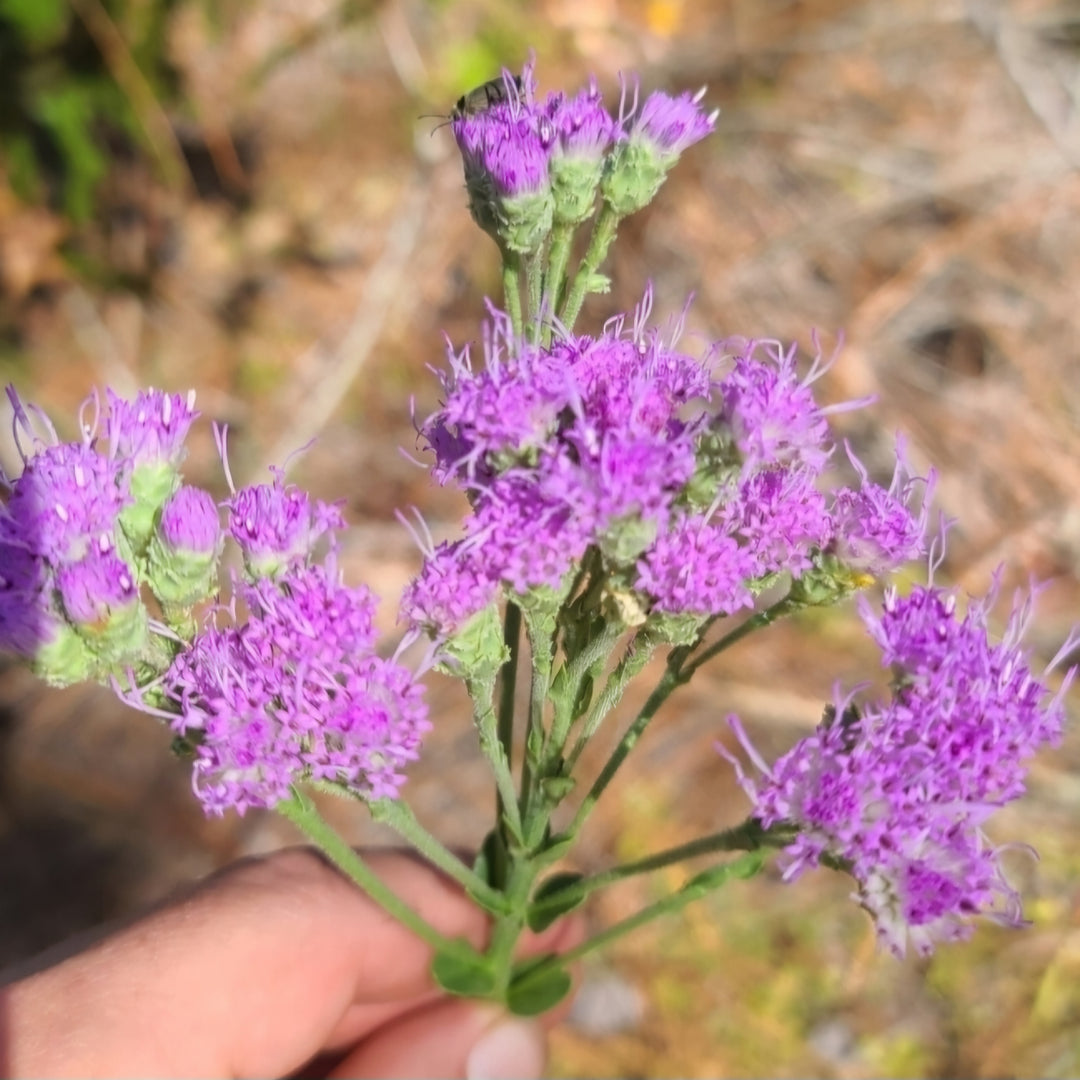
276 966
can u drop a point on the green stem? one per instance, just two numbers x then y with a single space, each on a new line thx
638 653
399 816
302 813
749 836
488 728
508 687
540 645
512 291
595 652
672 678
699 887
558 257
534 276
755 622
603 234
507 930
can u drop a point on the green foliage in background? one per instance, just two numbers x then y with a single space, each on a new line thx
66 73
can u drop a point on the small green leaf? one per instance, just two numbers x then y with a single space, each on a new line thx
556 788
547 905
740 869
531 994
598 283
463 972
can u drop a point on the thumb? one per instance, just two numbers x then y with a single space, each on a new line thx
454 1039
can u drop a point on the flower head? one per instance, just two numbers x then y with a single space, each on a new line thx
295 693
649 145
278 525
898 791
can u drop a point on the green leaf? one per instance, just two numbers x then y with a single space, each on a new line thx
556 788
531 994
464 972
740 869
547 905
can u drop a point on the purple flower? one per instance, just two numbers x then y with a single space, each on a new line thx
295 693
278 525
874 529
697 568
505 149
95 588
190 523
781 518
650 144
67 499
151 429
455 583
898 791
582 125
672 124
771 412
26 618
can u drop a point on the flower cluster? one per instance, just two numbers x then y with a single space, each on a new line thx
100 538
530 164
696 482
898 791
76 533
295 692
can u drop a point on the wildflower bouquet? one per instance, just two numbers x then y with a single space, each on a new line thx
627 499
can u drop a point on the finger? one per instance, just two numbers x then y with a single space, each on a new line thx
246 976
451 1038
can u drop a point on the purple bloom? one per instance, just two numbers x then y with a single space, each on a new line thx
26 619
874 528
698 568
583 127
67 499
672 124
151 429
898 791
278 525
190 523
295 693
454 584
95 588
771 412
781 518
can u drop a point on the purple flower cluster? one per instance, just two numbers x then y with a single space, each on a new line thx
90 533
694 481
70 575
529 162
296 692
898 791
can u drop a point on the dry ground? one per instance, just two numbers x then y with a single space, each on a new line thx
903 172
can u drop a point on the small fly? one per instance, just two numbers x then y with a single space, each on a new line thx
493 92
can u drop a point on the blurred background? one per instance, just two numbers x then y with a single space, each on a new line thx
240 196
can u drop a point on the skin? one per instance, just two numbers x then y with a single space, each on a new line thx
277 966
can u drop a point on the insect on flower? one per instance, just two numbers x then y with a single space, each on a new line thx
493 92
477 101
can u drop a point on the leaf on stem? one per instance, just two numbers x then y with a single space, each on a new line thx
537 987
548 905
464 972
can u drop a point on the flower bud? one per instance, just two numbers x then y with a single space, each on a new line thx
184 552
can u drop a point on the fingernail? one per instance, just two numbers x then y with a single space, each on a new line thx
512 1050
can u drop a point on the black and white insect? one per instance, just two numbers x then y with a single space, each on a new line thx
493 92
475 102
